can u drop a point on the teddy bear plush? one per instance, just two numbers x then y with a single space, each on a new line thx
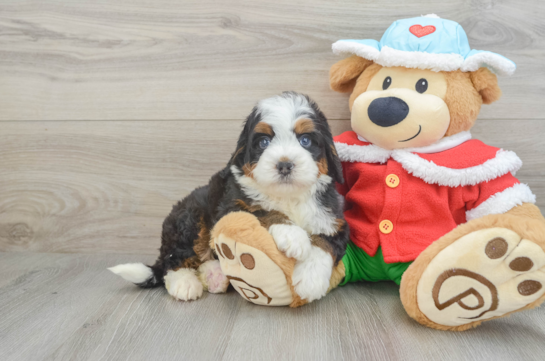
429 208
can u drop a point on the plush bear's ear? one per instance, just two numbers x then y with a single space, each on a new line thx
344 74
486 84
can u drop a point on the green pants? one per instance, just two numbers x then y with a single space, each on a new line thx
359 266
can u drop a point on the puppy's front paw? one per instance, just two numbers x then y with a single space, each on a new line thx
212 277
311 276
183 284
292 240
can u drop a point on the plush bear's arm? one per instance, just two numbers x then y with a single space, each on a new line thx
475 195
497 196
527 210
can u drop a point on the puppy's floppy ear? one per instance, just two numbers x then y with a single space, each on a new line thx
334 166
335 169
238 158
486 84
344 74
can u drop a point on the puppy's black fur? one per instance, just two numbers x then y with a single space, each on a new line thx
186 231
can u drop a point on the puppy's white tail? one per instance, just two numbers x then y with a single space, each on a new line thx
137 273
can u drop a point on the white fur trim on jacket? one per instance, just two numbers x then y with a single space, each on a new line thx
431 173
504 162
362 153
374 154
502 202
496 62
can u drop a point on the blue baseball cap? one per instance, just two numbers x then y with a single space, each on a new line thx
426 42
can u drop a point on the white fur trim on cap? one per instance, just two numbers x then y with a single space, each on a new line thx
497 63
502 202
392 57
352 47
419 60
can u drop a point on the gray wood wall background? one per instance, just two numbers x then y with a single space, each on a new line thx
110 111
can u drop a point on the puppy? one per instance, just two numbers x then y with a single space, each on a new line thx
283 171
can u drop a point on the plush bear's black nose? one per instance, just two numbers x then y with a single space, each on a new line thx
386 112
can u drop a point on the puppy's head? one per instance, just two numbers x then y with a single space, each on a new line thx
286 147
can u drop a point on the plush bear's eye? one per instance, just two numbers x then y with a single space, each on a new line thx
421 85
387 82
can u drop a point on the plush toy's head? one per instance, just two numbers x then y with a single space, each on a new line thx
421 82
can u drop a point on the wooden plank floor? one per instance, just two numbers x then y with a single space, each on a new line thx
69 307
110 111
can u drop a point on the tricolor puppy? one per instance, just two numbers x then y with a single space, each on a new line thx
283 171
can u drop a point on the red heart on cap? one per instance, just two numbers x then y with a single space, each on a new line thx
420 31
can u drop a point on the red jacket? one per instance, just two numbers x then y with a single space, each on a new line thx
405 199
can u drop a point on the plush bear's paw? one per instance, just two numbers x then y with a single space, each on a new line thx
292 240
253 274
183 284
212 277
484 274
311 276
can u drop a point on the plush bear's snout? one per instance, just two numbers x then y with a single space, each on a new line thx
388 111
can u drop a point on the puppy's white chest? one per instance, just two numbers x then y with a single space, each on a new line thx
308 215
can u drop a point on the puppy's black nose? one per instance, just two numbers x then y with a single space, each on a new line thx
386 112
284 168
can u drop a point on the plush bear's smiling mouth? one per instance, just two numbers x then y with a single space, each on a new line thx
414 136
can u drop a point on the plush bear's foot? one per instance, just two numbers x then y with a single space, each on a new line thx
212 277
183 284
484 274
250 259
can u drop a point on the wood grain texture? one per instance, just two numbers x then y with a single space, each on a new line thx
106 186
111 111
209 59
69 307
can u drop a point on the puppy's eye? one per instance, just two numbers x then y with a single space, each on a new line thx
305 141
387 82
264 142
421 85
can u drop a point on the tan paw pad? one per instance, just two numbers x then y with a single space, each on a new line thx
252 273
485 274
